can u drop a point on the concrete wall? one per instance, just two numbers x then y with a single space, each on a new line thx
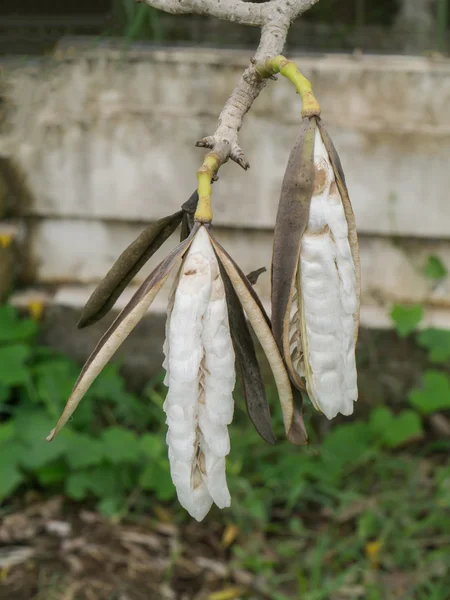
106 142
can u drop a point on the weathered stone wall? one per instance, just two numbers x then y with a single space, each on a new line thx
105 141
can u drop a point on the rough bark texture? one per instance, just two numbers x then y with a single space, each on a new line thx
274 18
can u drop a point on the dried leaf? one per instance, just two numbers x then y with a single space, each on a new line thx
188 208
292 219
247 366
120 329
261 326
254 275
125 268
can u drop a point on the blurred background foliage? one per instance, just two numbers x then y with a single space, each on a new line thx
386 26
369 494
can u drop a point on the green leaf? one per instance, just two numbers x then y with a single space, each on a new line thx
7 431
83 451
52 474
120 445
32 428
77 485
10 479
156 477
10 475
103 482
396 430
437 342
345 443
110 507
151 445
434 395
435 268
13 329
406 318
41 453
13 369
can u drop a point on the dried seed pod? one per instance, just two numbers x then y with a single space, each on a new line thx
206 330
316 274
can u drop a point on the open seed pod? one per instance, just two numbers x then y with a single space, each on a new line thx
207 337
316 274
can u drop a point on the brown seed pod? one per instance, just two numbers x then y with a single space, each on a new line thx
316 274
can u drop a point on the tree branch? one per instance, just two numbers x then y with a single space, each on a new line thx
246 13
275 18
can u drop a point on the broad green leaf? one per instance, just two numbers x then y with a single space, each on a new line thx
105 481
406 318
346 443
32 424
435 268
32 427
10 475
434 395
4 393
156 477
13 368
109 385
41 453
83 451
7 431
10 479
120 445
396 430
13 329
152 446
110 507
52 474
77 485
437 342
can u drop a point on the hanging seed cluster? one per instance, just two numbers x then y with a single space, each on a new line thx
309 342
316 274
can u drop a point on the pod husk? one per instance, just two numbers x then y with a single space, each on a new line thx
188 208
247 366
348 209
125 268
291 222
120 329
260 324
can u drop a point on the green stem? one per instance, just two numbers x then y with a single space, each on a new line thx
287 68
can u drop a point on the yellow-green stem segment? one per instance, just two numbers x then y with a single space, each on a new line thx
280 64
205 174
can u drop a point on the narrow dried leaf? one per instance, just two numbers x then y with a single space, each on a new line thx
120 329
247 366
188 208
261 326
125 268
292 219
297 433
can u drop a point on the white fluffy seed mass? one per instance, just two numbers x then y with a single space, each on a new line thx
325 303
200 377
